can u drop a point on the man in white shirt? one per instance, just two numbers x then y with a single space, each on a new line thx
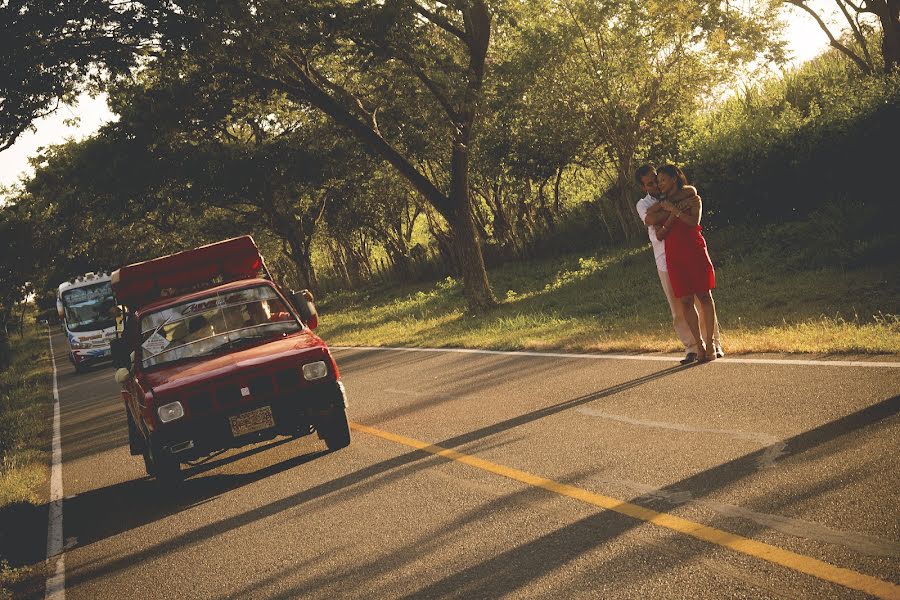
646 178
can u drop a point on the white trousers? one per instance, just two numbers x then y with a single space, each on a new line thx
678 320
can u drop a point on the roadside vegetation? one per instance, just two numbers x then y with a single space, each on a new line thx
26 410
612 302
402 155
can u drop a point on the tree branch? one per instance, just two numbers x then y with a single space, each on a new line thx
831 39
442 22
854 26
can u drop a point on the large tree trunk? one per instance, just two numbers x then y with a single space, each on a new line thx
302 258
889 15
455 207
625 200
5 352
476 287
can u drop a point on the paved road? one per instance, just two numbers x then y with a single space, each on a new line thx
500 475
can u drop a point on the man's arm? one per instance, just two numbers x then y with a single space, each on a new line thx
656 215
685 204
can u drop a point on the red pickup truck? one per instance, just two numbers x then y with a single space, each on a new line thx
213 354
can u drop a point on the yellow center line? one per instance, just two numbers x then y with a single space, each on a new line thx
798 562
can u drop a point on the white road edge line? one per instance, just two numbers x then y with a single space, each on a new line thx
749 361
56 583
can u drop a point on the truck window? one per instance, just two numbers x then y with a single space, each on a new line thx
214 323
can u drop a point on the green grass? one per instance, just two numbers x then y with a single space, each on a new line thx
834 300
25 419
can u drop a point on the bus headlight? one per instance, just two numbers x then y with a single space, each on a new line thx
170 412
314 370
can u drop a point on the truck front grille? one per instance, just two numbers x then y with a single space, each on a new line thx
262 387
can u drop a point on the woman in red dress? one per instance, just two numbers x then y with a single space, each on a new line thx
690 269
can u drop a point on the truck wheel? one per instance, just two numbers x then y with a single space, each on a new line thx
335 430
165 467
136 443
148 462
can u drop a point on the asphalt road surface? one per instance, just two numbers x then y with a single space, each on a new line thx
503 475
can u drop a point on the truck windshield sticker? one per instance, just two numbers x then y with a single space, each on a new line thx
184 311
155 344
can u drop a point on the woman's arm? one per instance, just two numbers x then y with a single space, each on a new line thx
687 205
689 210
684 193
663 230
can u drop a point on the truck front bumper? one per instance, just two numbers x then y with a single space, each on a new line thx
193 437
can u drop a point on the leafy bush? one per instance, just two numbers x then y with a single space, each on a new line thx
822 135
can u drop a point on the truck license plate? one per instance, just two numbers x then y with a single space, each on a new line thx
254 420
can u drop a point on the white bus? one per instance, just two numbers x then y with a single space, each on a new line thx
86 310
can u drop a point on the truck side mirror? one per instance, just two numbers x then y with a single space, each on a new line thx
122 375
118 349
303 302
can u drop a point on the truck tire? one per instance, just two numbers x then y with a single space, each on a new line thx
148 462
162 465
136 443
335 430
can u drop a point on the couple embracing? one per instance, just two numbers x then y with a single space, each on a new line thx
671 210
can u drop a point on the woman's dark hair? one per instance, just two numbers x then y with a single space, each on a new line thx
675 173
643 170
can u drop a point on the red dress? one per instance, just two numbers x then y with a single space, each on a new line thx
690 269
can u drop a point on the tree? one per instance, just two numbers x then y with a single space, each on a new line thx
349 61
529 138
888 14
49 51
17 267
636 68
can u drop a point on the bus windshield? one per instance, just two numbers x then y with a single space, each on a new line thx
213 324
87 307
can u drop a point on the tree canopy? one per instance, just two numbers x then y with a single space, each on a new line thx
364 136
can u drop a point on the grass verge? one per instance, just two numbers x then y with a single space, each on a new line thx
769 299
25 418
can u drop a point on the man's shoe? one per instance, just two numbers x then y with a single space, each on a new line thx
719 352
689 358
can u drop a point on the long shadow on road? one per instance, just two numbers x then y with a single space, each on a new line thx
504 573
518 566
97 507
101 513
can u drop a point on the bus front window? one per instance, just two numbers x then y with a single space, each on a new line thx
86 308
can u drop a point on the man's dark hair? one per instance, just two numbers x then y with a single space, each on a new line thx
643 170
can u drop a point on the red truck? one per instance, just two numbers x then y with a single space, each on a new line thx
214 354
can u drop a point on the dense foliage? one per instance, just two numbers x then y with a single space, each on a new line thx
220 135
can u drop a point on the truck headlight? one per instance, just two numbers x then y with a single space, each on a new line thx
170 412
315 370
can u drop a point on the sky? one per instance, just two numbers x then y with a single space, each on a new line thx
805 41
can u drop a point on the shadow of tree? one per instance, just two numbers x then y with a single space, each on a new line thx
502 574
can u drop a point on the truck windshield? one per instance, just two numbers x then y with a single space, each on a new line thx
214 323
87 307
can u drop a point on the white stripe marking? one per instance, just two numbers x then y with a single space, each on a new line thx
774 448
56 583
645 357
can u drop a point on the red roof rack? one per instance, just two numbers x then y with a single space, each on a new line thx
141 283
